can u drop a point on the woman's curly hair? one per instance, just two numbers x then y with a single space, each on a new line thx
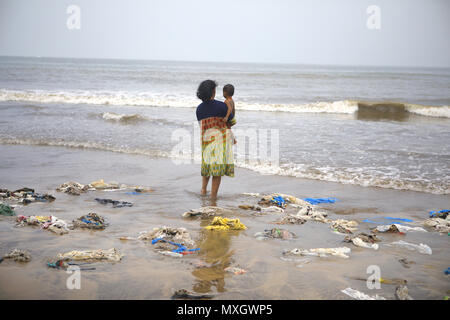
205 90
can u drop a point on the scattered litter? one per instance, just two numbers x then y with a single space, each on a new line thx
73 188
441 225
364 240
394 228
315 201
220 223
309 213
388 229
235 270
390 220
112 255
439 214
6 210
405 262
393 281
261 209
283 198
321 252
25 196
422 248
90 221
401 293
291 219
344 226
176 235
360 296
171 254
51 223
61 264
252 194
206 212
278 201
101 185
179 247
275 233
115 203
185 294
18 255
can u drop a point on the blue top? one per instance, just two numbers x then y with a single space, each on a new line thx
212 108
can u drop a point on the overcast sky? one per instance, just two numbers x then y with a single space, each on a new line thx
412 33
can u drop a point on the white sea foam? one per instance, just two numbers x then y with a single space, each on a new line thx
362 177
122 117
118 98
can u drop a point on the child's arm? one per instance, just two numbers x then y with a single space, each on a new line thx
230 108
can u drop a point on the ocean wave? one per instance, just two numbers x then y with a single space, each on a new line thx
111 116
366 177
363 109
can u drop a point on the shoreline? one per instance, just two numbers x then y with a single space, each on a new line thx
143 274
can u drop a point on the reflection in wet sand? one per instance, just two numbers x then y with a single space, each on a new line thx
216 254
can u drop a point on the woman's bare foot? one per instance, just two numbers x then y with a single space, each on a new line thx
203 192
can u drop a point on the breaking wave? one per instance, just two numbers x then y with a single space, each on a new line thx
375 110
111 116
363 176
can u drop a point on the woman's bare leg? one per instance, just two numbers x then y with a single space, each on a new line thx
205 181
215 186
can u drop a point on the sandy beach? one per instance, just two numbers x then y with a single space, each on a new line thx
145 274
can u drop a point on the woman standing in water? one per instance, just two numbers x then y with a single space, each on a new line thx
217 155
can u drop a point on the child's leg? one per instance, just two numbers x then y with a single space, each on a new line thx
205 181
215 186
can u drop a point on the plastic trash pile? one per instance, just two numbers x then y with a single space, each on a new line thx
6 210
364 240
206 212
18 255
24 196
76 188
51 223
344 226
262 209
73 188
275 233
90 221
115 203
179 250
320 252
439 224
111 255
397 228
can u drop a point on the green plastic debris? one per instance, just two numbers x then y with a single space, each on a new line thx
6 210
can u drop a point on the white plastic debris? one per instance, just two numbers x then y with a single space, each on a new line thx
360 243
322 252
404 229
422 248
358 295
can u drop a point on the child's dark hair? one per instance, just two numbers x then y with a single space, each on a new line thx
229 90
205 90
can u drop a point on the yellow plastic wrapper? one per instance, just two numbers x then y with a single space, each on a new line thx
220 223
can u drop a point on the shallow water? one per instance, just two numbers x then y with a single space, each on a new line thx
368 126
145 274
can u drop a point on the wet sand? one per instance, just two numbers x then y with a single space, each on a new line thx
145 274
